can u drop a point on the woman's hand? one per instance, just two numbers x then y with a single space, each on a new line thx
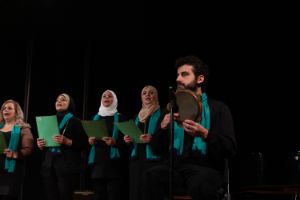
127 139
92 140
61 139
41 143
146 138
10 154
109 141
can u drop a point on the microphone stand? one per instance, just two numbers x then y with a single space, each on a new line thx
171 171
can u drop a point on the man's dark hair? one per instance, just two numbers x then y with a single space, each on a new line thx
199 67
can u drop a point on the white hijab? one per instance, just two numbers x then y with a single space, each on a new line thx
110 110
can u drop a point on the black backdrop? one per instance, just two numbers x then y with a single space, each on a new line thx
255 85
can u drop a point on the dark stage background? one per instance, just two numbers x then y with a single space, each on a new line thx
258 87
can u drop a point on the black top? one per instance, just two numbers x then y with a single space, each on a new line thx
10 183
104 166
20 162
220 142
69 160
141 147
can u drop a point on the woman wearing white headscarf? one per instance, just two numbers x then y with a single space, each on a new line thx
108 154
142 157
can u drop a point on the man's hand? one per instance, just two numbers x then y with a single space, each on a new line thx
167 119
194 129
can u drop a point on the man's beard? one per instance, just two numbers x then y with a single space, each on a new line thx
191 86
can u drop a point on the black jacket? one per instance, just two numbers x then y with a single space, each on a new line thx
70 158
220 142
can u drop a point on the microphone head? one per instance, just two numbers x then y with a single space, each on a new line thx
172 100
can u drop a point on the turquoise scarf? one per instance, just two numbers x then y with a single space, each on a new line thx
61 125
13 145
114 152
151 128
198 144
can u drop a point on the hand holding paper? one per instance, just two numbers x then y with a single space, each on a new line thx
92 140
146 138
129 128
61 139
109 141
47 127
127 139
41 143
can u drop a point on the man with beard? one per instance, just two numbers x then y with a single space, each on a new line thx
200 146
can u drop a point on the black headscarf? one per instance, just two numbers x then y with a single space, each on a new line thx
71 108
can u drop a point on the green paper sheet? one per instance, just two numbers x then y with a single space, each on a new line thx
47 127
129 128
94 128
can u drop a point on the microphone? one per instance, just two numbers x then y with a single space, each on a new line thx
172 100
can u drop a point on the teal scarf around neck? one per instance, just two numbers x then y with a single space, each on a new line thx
114 152
13 145
61 126
151 128
198 144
